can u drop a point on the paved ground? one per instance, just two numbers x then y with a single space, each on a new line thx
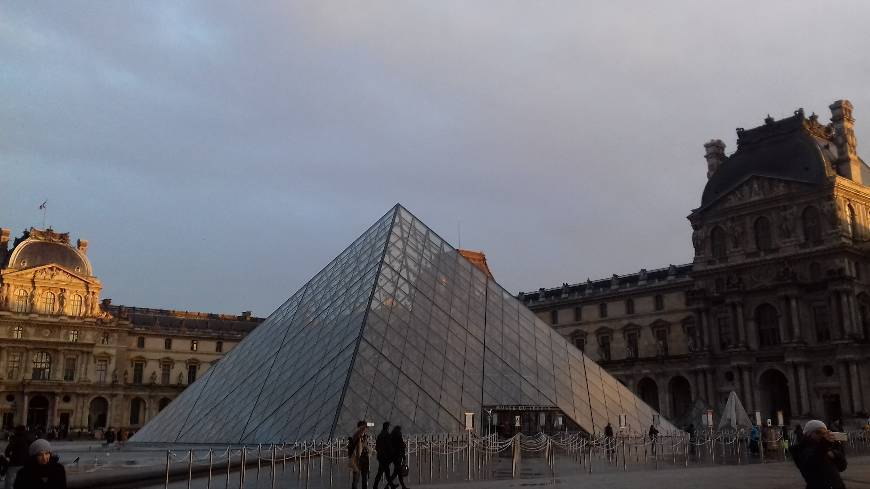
780 475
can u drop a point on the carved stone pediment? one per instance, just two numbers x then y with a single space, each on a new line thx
756 189
50 273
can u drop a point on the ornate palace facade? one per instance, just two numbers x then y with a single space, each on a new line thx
775 304
71 360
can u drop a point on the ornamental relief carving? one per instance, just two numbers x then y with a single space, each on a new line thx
756 189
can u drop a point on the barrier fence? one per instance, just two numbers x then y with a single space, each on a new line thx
440 458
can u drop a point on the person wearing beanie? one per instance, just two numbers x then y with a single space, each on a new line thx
42 471
819 457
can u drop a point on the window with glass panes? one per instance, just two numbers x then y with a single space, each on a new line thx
21 300
138 372
41 365
165 373
13 365
73 336
69 368
191 374
140 342
219 346
17 332
194 345
102 367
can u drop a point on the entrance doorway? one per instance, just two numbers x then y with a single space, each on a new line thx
649 392
37 413
773 387
833 408
63 427
97 414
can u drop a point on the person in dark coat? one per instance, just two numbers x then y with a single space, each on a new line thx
358 454
42 471
17 453
385 457
819 457
608 440
397 452
653 437
110 436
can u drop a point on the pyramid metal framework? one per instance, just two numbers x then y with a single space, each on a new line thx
398 327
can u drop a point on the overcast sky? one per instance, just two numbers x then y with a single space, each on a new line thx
218 154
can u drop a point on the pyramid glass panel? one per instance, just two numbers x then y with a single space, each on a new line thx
399 327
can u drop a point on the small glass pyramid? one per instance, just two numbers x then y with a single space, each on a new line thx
399 327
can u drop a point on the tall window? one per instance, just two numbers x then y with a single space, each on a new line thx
75 305
165 373
48 303
73 336
191 374
822 322
693 343
138 372
554 317
602 310
69 369
167 344
17 332
723 324
102 367
853 222
631 348
219 347
104 339
578 314
811 224
579 341
662 347
136 407
604 347
763 239
41 365
140 342
13 365
767 319
629 306
21 299
718 243
659 302
194 345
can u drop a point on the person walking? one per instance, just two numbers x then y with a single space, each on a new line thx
110 437
385 457
17 453
608 440
819 457
42 470
397 452
358 453
653 437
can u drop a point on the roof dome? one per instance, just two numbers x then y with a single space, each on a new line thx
47 247
782 149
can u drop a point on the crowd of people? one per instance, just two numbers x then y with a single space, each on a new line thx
28 463
391 452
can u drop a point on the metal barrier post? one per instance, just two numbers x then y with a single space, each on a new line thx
210 464
244 459
229 464
273 466
189 467
168 455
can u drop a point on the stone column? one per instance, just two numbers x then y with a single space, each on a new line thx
710 376
708 329
795 320
55 401
736 339
845 391
741 325
738 382
804 387
855 378
783 327
857 327
747 386
752 333
848 331
24 405
792 395
836 317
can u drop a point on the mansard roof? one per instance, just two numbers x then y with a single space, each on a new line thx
794 148
180 322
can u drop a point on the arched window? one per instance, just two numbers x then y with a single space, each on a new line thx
21 300
41 365
48 303
811 224
718 243
767 319
853 222
75 305
763 239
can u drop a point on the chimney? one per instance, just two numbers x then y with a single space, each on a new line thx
4 243
848 165
715 155
246 315
82 245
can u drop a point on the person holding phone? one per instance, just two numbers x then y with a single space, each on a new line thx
820 457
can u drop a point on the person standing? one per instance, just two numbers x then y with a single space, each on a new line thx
385 457
653 437
17 453
608 440
819 457
110 437
397 451
42 470
357 450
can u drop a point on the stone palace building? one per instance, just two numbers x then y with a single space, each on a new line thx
75 362
775 303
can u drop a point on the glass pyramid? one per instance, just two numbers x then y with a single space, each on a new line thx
398 327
